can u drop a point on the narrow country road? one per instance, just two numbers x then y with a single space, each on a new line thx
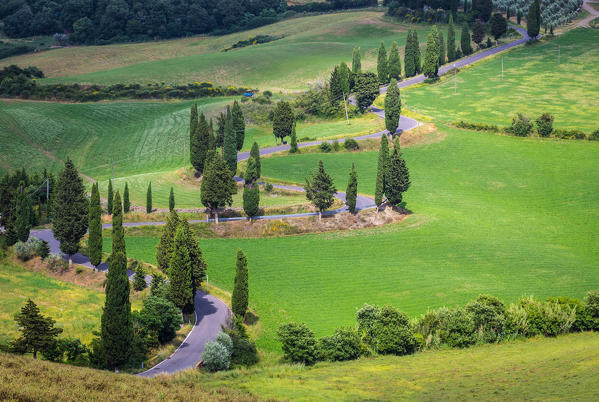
585 22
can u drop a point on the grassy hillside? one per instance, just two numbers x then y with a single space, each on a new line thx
492 214
309 48
532 84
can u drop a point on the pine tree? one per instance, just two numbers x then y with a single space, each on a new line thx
533 21
293 143
441 49
356 64
139 279
164 249
394 62
23 216
417 55
320 189
200 145
335 87
465 44
351 193
381 169
198 265
381 65
240 296
181 291
126 202
251 190
397 179
149 199
431 57
409 66
37 332
171 200
230 147
451 50
110 197
94 241
238 124
283 120
117 328
255 153
69 219
392 107
217 186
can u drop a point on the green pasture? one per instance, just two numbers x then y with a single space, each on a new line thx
533 83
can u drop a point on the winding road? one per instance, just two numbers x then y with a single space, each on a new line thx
586 22
212 313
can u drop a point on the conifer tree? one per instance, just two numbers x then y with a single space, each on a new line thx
117 328
240 296
397 179
417 55
409 66
335 86
221 121
394 62
164 249
382 67
69 218
293 143
126 201
193 122
238 124
392 107
200 145
139 279
37 332
94 241
230 147
180 289
212 135
478 32
149 198
344 75
283 120
217 186
196 258
465 44
23 216
441 49
351 193
451 50
431 57
533 21
110 198
255 153
380 171
251 190
356 64
171 200
320 189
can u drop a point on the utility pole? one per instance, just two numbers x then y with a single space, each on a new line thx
345 104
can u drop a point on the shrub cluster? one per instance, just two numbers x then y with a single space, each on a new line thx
33 247
253 40
476 126
217 354
351 145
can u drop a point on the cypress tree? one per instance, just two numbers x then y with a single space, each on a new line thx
381 66
240 296
180 289
417 55
217 186
533 21
69 219
251 190
117 328
356 64
193 122
200 145
126 202
392 107
196 258
397 179
149 198
344 74
238 124
409 66
394 62
320 189
381 169
431 57
293 143
335 86
351 193
7 210
221 121
110 197
171 200
164 249
519 17
451 51
255 153
139 279
212 136
441 49
23 216
283 120
230 147
465 40
94 241
37 332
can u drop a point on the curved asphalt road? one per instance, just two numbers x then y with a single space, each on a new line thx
211 312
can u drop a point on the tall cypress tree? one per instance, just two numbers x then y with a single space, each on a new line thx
94 241
392 107
344 75
240 296
230 147
23 216
441 49
171 200
409 66
181 284
465 40
251 190
417 55
200 145
394 62
69 219
212 136
382 67
397 179
255 153
320 189
196 258
533 21
164 248
149 198
217 185
193 121
238 124
431 57
126 202
451 50
110 197
293 142
351 193
221 121
117 328
380 171
335 87
282 122
356 64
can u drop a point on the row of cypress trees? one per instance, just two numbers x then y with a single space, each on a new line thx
127 202
388 67
393 177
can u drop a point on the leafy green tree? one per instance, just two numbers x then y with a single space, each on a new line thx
117 327
171 200
293 149
366 89
431 57
382 67
441 49
356 64
533 21
23 216
392 107
110 197
351 194
344 75
164 249
451 50
238 124
409 66
320 189
217 186
485 7
298 343
230 147
394 63
94 241
478 32
161 317
200 144
545 124
380 171
149 198
37 332
69 218
465 44
139 279
397 179
498 25
126 201
240 296
251 190
255 153
283 120
181 291
417 55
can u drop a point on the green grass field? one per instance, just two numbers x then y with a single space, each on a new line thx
311 46
533 83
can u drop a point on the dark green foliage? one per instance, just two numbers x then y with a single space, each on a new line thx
139 279
335 86
126 201
488 314
283 120
459 329
397 178
344 344
394 63
485 7
293 149
465 44
351 145
351 193
409 66
37 332
219 136
451 50
325 147
159 319
255 153
217 185
238 124
251 190
298 343
230 147
591 303
382 67
181 291
392 107
416 49
117 328
196 258
431 57
381 169
545 124
519 17
149 198
356 64
171 200
478 32
533 21
23 216
594 136
390 333
69 220
320 189
498 25
193 121
240 296
164 249
441 49
366 89
344 75
546 318
476 126
110 198
159 286
94 241
200 144
521 126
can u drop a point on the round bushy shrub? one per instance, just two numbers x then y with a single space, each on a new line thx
545 124
351 145
391 333
56 263
344 344
298 343
594 136
521 126
488 314
325 147
591 305
244 352
459 331
366 317
23 250
215 357
226 341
